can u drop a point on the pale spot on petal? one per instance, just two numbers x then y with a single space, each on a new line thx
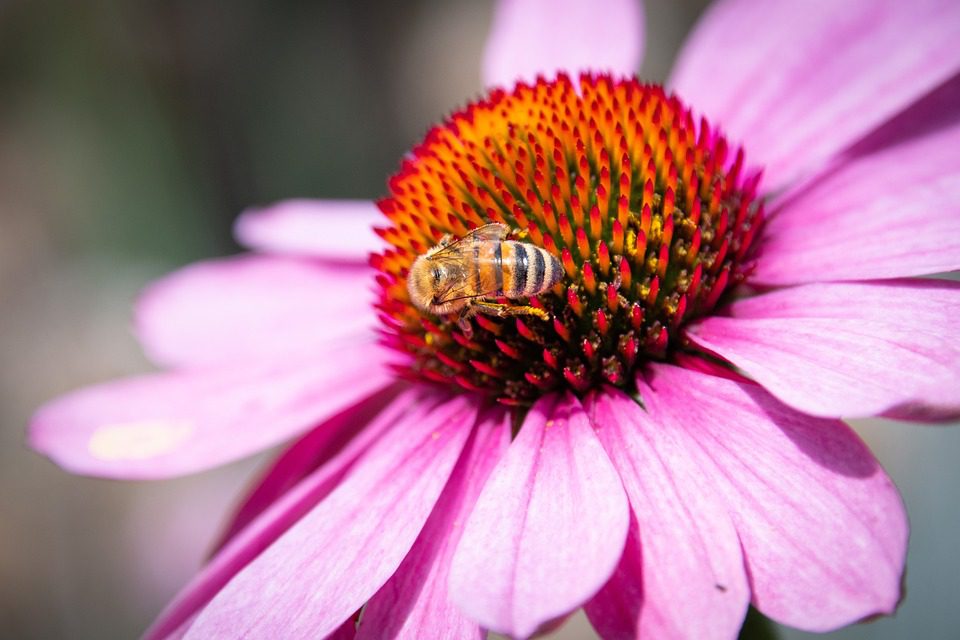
138 440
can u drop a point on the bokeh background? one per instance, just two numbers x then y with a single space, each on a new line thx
131 134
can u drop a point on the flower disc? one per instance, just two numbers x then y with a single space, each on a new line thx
646 209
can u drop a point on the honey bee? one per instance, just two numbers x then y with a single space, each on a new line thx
461 276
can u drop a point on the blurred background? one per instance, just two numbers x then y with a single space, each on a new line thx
131 134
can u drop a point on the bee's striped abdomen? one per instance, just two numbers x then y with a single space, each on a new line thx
529 269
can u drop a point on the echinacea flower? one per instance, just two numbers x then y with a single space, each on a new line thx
667 447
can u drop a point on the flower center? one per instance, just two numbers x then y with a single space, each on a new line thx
644 209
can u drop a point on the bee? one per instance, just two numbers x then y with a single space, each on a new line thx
462 276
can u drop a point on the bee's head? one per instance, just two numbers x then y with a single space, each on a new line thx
426 282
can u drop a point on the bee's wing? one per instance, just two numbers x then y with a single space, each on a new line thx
459 292
493 232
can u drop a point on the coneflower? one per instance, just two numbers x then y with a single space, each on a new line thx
661 442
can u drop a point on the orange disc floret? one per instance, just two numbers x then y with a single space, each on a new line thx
647 210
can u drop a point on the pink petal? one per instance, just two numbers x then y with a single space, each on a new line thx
414 602
181 632
305 456
541 37
823 530
796 82
927 116
682 573
847 349
328 564
346 631
409 408
889 214
332 229
251 307
548 528
164 425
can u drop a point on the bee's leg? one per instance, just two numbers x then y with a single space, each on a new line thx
504 310
519 234
463 320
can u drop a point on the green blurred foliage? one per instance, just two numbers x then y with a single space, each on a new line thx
150 125
756 626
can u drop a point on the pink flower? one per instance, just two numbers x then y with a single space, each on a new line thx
701 466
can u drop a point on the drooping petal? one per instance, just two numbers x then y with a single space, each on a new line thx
415 603
332 229
338 555
548 528
409 408
847 349
889 214
682 573
531 37
250 307
796 82
305 456
823 529
163 425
